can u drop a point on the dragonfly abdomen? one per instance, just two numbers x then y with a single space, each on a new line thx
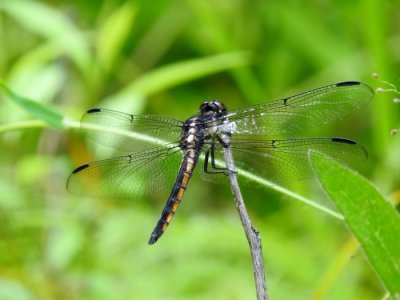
189 162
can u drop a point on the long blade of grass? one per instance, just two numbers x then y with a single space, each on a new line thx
34 108
52 24
177 73
113 33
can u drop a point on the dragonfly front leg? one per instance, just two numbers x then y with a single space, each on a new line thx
216 170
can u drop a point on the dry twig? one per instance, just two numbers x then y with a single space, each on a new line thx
252 235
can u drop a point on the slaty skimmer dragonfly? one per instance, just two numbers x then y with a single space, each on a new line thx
260 137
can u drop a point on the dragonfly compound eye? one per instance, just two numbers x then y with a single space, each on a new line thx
209 107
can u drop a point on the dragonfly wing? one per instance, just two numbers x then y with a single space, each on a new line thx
285 161
294 114
129 176
129 132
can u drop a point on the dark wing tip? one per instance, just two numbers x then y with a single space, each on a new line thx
348 83
363 86
93 110
80 168
350 142
343 141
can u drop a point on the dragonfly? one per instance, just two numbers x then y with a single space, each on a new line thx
164 151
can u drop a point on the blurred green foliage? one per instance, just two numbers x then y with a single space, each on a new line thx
166 57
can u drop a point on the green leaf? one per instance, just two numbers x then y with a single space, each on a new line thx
178 73
113 33
371 218
35 108
184 71
53 25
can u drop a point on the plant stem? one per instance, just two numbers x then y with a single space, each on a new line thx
22 125
252 235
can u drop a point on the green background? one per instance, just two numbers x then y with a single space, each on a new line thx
166 57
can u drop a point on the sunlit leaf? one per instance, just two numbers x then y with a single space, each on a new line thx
371 218
113 33
35 108
178 73
51 24
36 75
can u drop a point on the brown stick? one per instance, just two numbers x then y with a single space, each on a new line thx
252 235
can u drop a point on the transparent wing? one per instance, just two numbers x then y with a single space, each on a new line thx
285 161
296 113
129 176
129 132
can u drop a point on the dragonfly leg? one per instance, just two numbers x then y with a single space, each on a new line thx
216 169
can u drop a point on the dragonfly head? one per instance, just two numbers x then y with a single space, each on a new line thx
212 108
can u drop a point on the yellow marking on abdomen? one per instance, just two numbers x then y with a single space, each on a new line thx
185 180
169 217
175 206
179 195
164 226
